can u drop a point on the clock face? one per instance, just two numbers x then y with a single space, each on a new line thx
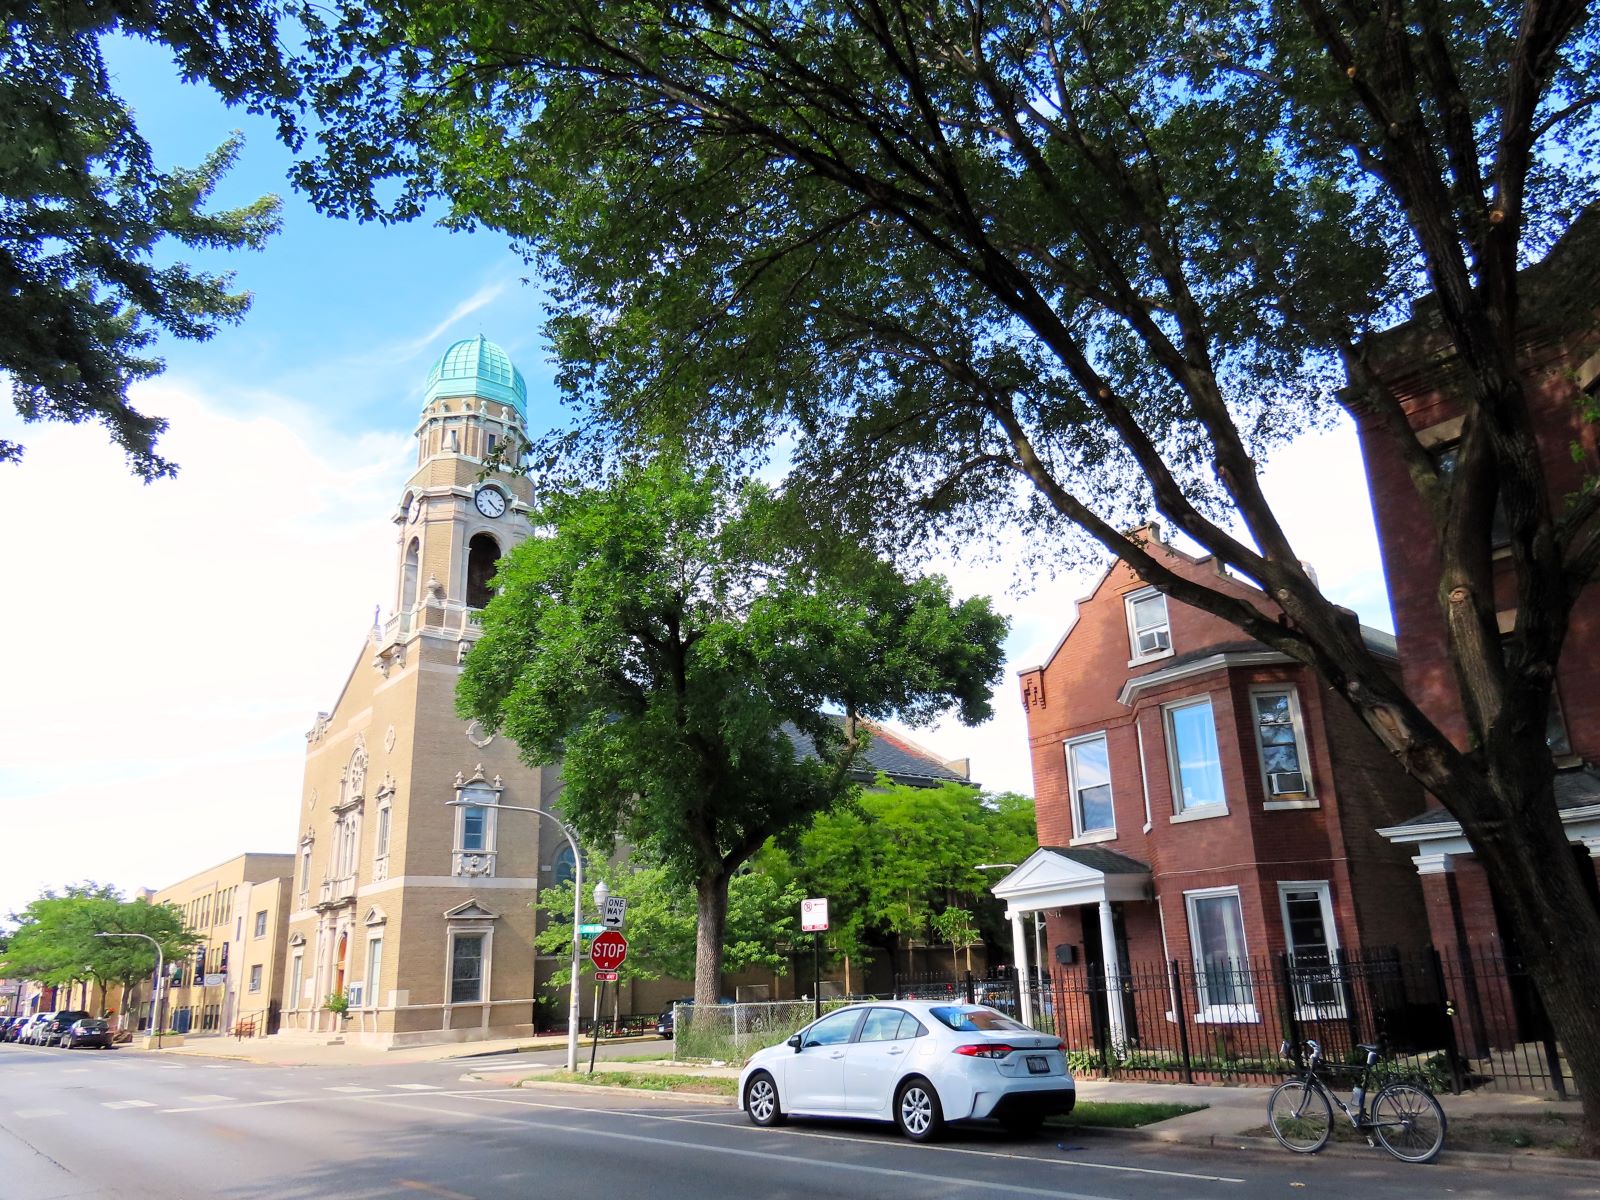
490 502
415 510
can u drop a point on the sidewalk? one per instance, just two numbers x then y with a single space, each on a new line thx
291 1051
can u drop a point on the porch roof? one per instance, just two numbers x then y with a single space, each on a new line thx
1067 876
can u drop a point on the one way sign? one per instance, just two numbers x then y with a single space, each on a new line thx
615 915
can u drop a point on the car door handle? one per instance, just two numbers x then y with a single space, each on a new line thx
896 1050
837 1054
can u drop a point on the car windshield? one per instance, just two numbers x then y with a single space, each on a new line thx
967 1018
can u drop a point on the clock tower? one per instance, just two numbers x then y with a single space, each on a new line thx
412 898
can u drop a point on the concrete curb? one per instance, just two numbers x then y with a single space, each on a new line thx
591 1088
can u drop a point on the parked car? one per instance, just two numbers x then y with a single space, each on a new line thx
30 1030
664 1021
89 1031
7 1024
917 1063
13 1032
50 1032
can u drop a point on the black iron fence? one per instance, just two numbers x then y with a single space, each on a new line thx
1460 1021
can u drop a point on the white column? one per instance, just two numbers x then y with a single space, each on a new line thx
1113 969
1019 959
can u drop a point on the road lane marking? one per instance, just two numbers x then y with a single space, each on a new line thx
417 1087
128 1104
28 1114
699 1119
989 1187
209 1099
349 1089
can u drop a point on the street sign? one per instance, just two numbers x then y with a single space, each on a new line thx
616 913
814 915
606 976
608 950
590 930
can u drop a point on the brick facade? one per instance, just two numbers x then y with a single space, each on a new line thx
1095 683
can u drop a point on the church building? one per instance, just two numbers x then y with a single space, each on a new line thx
412 889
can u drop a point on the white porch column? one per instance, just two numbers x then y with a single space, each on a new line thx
1019 958
1113 969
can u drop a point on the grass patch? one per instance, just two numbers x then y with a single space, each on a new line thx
651 1081
1116 1114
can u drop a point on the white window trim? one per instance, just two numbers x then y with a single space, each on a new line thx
484 980
1079 837
1308 798
1324 889
491 830
256 977
1217 1014
1199 812
373 976
1128 601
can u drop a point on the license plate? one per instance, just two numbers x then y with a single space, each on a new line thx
1038 1064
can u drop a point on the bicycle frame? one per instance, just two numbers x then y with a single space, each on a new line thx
1359 1091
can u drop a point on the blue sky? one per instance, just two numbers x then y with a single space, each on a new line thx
171 643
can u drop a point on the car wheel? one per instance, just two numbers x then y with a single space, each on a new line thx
917 1111
761 1100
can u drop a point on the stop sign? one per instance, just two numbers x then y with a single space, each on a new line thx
608 950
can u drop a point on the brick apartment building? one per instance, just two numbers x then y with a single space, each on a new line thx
1202 799
1561 356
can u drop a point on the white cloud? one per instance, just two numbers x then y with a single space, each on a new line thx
170 644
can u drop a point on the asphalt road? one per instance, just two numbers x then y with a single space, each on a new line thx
98 1125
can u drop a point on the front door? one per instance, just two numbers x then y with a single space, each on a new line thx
876 1060
814 1078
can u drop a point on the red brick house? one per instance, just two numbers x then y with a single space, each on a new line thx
1561 356
1202 800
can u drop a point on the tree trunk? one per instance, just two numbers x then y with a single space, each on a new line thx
1529 864
711 905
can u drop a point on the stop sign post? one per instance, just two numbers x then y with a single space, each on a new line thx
608 951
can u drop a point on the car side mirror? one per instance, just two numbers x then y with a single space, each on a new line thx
796 1043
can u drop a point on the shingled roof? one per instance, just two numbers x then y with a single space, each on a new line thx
890 754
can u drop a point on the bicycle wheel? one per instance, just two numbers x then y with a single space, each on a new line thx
1300 1116
1409 1122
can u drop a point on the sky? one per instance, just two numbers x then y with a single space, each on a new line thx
170 644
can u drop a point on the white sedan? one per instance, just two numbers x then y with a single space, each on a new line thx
918 1063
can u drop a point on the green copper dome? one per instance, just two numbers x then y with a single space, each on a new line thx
477 367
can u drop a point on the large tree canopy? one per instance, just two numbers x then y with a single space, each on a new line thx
675 643
84 211
1058 265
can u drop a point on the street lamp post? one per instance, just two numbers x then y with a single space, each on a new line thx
577 916
155 995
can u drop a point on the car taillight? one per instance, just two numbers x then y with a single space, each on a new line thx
985 1050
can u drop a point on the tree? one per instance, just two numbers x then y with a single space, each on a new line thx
84 210
55 941
899 857
1061 267
673 642
661 920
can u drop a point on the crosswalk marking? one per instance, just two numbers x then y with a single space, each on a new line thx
28 1114
129 1104
209 1099
418 1087
350 1088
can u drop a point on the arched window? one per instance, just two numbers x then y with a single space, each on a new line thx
563 868
408 576
482 554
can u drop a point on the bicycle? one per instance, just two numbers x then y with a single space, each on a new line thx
1405 1118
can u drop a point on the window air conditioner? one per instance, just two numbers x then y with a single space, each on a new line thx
1286 783
1152 641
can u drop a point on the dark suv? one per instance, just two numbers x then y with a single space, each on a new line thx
59 1024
